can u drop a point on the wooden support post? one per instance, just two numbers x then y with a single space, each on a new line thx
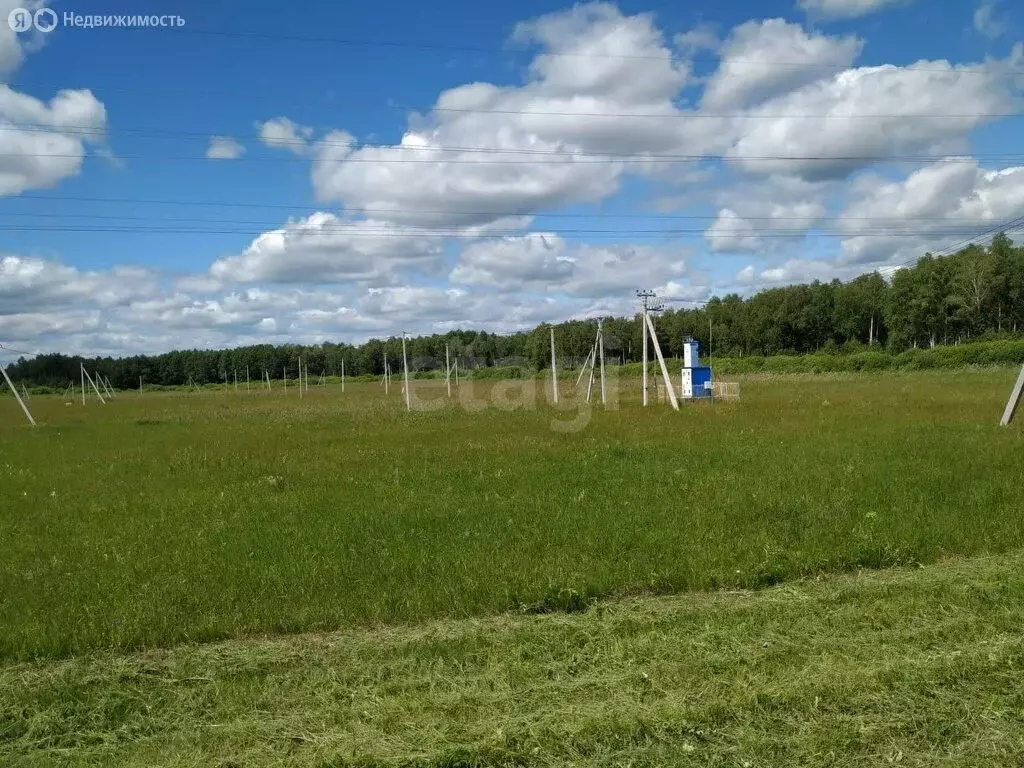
600 342
405 365
664 369
586 364
554 370
17 397
593 362
1011 405
590 380
93 383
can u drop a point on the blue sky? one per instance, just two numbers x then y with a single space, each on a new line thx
694 149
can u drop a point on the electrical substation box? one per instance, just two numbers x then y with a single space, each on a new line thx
696 378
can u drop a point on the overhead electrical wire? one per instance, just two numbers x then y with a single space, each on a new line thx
910 227
506 214
88 131
575 156
439 211
665 57
5 350
601 160
1006 227
93 130
482 234
1012 225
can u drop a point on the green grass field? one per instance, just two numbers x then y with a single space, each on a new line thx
165 518
908 667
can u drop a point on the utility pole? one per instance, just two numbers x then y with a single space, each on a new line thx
448 371
711 338
405 365
554 369
645 297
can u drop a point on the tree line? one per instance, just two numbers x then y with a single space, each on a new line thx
973 293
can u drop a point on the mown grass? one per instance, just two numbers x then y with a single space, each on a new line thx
908 667
165 518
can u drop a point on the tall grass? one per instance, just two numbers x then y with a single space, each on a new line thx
167 517
910 667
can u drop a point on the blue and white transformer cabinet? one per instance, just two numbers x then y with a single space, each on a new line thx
697 381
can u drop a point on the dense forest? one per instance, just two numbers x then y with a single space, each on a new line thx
973 293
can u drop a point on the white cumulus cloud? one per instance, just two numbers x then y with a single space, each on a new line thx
846 9
42 143
762 59
282 133
860 117
941 204
324 247
224 148
486 151
731 233
546 262
14 45
986 21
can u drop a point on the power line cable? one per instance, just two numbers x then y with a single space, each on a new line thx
355 222
623 160
99 131
355 146
461 232
87 131
1007 227
667 56
438 211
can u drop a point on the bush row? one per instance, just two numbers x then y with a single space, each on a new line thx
991 353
